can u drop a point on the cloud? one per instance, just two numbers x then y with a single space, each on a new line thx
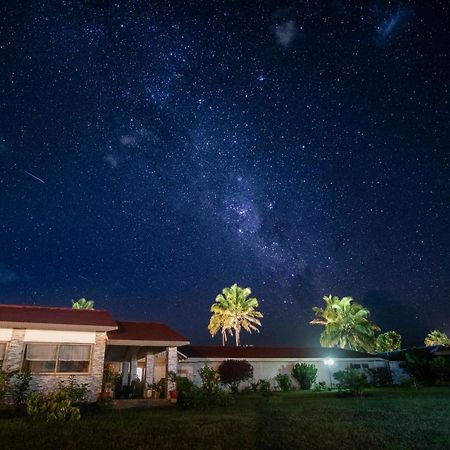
129 141
285 33
112 160
7 275
391 24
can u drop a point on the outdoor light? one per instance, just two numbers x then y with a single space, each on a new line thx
329 362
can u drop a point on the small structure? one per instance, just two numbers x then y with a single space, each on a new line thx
57 343
54 344
268 362
144 351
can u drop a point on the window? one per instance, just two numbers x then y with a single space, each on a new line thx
49 358
2 353
365 366
355 366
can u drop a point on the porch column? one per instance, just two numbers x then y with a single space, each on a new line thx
133 368
172 366
125 373
149 369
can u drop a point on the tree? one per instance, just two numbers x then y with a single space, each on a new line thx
437 337
347 324
233 311
305 374
82 303
234 371
388 342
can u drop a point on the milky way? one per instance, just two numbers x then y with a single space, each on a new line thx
152 153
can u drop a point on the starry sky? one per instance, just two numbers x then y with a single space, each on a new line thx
152 153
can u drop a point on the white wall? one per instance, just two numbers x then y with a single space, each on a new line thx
60 336
268 369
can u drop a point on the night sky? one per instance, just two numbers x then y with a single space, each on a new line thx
152 153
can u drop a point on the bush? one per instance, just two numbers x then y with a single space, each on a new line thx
76 392
440 368
53 407
305 374
264 385
352 380
232 372
319 387
4 385
284 382
418 366
199 398
210 379
380 376
20 388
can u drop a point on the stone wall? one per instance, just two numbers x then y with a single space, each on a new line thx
49 381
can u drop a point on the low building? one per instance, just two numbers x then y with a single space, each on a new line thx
55 344
268 362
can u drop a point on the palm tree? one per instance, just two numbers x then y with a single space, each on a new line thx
82 303
347 324
437 337
233 311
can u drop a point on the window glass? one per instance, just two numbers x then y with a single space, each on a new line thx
57 358
2 352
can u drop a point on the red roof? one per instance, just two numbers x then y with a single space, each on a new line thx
85 318
144 331
270 352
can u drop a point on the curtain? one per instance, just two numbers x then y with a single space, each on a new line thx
2 351
75 353
41 352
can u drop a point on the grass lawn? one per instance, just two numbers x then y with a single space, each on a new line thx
388 418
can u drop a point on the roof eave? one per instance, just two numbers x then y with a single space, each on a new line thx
57 326
146 343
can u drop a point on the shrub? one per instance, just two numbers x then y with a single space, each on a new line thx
232 372
264 385
53 407
352 380
20 388
198 398
418 366
210 379
76 392
319 387
4 385
440 367
284 382
380 376
305 374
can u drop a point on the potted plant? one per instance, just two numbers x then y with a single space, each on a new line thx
173 393
107 383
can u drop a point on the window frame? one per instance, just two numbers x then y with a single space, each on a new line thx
57 360
5 354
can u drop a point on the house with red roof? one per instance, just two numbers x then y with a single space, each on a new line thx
54 344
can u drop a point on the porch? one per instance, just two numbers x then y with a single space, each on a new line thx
141 355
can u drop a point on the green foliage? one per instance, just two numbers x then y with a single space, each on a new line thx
53 407
352 380
210 379
437 337
233 311
418 366
388 342
82 303
4 385
440 368
76 392
264 385
284 382
20 388
319 387
380 376
233 371
347 324
305 374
